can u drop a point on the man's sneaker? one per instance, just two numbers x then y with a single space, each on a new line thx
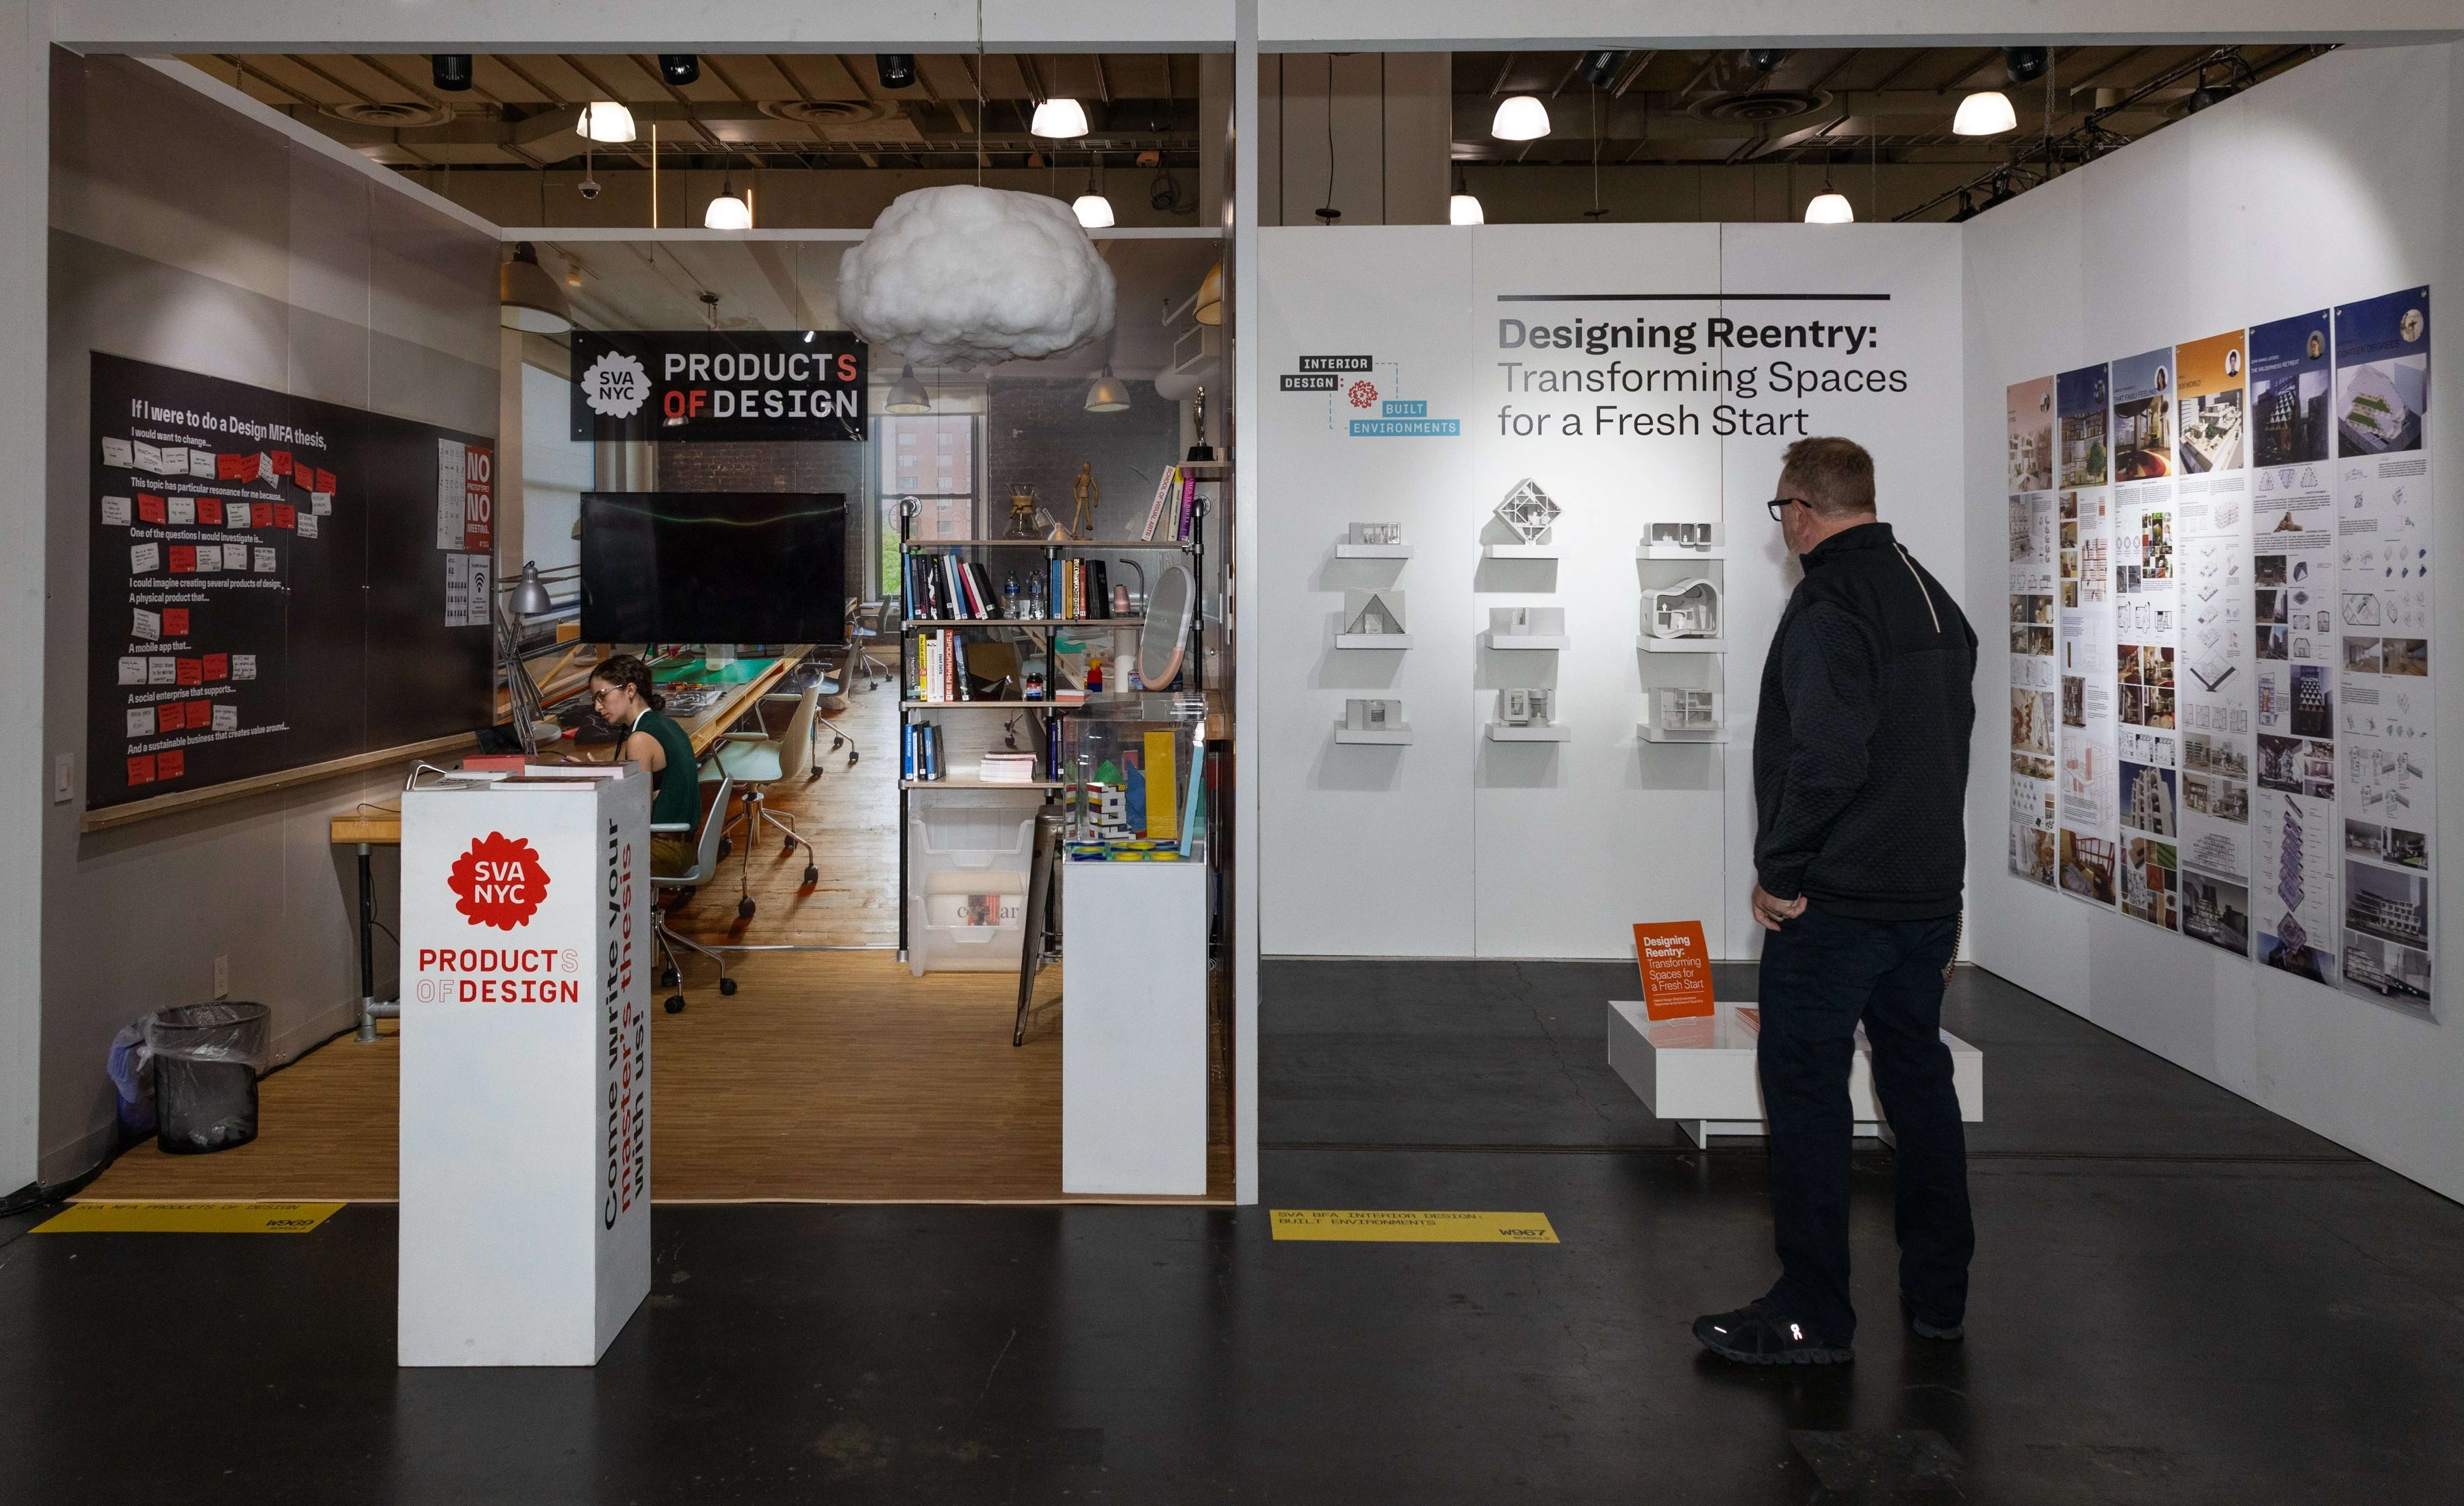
1947 1333
1755 1334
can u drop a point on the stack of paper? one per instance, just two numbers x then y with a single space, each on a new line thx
1008 769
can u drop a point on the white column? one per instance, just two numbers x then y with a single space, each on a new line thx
1246 626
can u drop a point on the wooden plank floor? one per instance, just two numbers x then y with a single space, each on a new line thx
829 1076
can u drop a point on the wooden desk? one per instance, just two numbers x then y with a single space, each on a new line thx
367 829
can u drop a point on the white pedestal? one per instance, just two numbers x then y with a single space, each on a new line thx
1373 640
1397 734
1518 552
1373 551
1507 641
525 1210
1133 1029
1655 645
1701 1071
1537 732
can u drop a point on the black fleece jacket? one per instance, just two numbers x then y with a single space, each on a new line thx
1861 746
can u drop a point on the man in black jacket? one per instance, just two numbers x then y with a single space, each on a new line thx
1861 783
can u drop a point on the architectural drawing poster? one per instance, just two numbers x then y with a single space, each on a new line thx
2029 488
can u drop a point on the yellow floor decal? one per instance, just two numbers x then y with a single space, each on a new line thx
190 1218
1412 1227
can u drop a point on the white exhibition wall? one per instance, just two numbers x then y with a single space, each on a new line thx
2341 180
1457 845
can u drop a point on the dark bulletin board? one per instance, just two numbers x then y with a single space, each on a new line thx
343 609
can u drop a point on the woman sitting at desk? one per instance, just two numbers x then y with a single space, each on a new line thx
623 693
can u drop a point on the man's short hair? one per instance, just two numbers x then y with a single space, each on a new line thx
1835 475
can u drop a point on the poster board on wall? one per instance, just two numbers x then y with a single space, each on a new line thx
273 584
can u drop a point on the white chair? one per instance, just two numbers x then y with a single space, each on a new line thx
715 794
757 761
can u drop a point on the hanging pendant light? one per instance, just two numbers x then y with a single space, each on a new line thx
1521 119
529 298
1828 208
906 395
1093 210
607 121
1984 113
1464 209
727 212
1209 308
1109 394
1063 119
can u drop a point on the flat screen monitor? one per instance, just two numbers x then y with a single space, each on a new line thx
713 566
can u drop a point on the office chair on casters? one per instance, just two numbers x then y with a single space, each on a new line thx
757 761
714 796
867 622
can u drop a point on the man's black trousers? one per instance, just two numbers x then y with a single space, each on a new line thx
1822 975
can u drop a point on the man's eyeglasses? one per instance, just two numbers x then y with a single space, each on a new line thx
1778 506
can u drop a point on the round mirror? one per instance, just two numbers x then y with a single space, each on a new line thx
1164 639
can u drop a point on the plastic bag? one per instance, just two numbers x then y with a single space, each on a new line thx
131 1067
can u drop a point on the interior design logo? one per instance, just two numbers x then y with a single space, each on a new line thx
499 882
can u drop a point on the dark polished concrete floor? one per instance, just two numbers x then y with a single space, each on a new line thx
2179 1298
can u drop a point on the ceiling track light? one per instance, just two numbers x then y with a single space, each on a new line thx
2026 65
1600 67
679 69
1520 119
449 72
1986 112
896 70
1766 59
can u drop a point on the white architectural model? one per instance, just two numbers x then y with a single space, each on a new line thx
1529 511
1680 715
1681 540
1526 627
1370 614
1524 708
1690 608
1373 715
1375 533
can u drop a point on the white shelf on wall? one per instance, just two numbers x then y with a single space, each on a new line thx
1551 732
1518 552
1651 644
1525 640
1385 736
1651 734
1373 640
1373 551
1674 551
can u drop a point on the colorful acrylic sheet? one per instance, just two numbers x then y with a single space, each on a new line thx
2235 562
2035 563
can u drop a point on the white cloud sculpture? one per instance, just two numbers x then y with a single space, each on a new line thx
965 277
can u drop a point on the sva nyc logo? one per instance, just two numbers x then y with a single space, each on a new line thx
499 882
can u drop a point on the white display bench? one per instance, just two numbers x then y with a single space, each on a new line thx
1700 1071
1133 1029
526 964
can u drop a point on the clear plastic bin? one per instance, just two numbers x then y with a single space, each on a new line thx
966 879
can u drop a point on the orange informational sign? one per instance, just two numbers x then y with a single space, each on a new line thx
1676 969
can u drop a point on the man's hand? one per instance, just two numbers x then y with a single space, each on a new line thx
1770 910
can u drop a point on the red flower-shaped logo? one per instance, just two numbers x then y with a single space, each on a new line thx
1362 394
500 882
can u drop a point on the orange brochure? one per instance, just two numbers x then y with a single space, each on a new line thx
1676 969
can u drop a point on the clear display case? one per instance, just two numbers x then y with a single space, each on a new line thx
1133 782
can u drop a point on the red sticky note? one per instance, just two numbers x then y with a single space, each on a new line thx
228 466
183 559
209 511
192 671
260 515
324 484
1676 969
141 770
201 714
282 462
217 666
149 508
175 621
285 516
171 765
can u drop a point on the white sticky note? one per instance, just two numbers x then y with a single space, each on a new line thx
243 666
149 459
175 460
264 560
210 558
163 669
183 510
234 555
116 453
132 669
146 624
264 467
144 557
116 512
140 721
226 717
307 522
200 462
320 503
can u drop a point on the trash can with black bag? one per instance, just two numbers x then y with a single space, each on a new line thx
206 1060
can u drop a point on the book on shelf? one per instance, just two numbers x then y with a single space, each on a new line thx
1167 492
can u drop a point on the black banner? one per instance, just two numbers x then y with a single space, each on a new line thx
274 582
733 385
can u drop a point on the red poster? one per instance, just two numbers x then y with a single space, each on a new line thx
260 515
171 765
192 671
479 500
282 462
217 666
183 559
1676 969
285 516
209 511
175 621
149 508
141 770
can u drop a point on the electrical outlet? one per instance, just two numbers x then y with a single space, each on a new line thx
222 976
63 778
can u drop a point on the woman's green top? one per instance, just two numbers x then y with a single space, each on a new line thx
676 793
